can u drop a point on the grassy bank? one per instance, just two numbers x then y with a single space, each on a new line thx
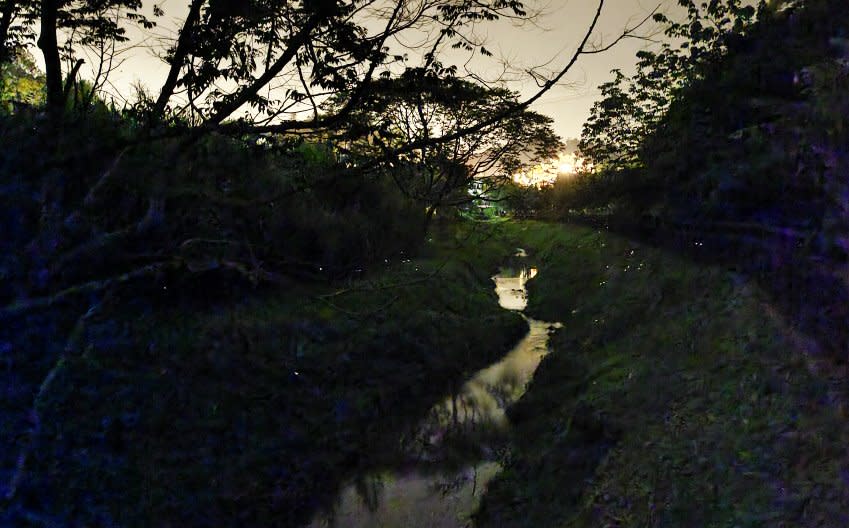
254 412
674 396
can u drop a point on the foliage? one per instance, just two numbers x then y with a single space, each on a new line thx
327 59
631 109
227 56
747 166
65 26
521 201
21 82
751 141
246 167
420 106
255 410
741 126
16 28
613 133
260 67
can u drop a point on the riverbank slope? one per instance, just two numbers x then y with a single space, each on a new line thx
215 411
674 396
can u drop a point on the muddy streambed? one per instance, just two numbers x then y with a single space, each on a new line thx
447 461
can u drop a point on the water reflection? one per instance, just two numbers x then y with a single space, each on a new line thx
452 455
510 286
480 405
412 499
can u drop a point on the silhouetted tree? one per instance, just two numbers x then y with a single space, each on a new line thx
63 27
267 72
631 108
419 106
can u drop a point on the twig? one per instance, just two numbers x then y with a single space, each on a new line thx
20 307
91 197
70 346
383 287
360 315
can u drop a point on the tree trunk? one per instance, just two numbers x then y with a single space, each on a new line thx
49 45
431 210
181 51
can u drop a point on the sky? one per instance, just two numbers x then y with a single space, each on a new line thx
563 26
550 40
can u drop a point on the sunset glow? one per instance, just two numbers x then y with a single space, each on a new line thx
545 174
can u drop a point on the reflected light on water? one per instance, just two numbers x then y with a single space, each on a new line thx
483 400
413 500
510 286
425 495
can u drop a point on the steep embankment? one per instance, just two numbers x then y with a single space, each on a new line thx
674 397
752 162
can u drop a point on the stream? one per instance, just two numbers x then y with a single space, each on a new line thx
453 453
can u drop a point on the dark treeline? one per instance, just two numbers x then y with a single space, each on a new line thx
202 173
731 144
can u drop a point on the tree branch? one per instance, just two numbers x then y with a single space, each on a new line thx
184 45
21 307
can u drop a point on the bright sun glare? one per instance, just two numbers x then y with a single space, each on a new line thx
546 173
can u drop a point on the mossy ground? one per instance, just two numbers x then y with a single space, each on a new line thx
673 397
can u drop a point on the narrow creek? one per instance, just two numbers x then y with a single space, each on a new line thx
453 453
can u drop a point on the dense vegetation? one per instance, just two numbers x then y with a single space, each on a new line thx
697 395
731 145
729 125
